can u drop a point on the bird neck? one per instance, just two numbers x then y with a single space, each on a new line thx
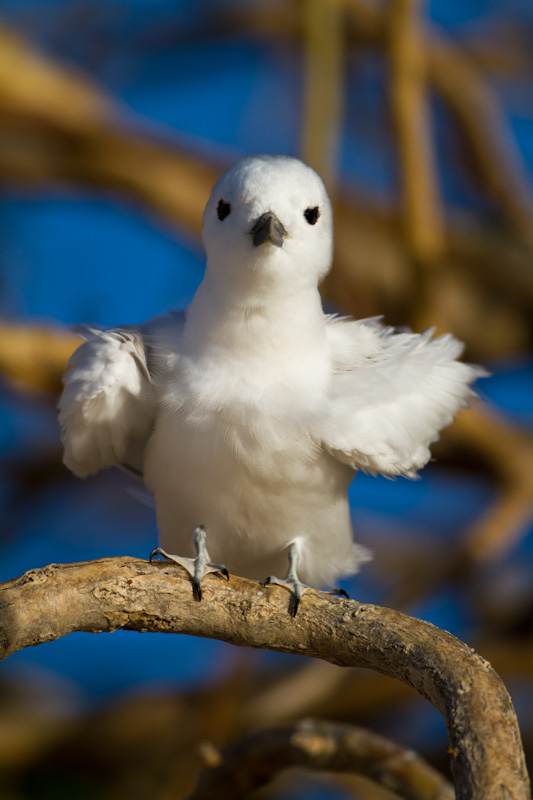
257 319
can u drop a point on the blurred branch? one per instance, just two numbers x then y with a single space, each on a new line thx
126 593
35 356
447 67
324 85
55 126
509 450
483 288
320 745
468 95
421 207
79 138
293 695
320 689
477 110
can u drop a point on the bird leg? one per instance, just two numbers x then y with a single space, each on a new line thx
292 582
197 567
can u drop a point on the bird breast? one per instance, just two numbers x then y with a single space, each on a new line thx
237 418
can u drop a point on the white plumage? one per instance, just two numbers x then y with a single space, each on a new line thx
250 411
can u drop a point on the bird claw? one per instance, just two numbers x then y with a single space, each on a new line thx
196 590
338 592
219 568
158 551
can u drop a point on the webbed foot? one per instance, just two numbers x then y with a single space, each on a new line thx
295 587
197 567
292 582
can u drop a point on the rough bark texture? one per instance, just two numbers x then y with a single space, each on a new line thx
486 754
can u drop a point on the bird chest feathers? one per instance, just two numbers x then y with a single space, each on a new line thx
239 411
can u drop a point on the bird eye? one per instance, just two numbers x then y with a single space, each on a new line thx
312 214
223 209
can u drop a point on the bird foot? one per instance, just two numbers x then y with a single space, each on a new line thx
197 567
295 587
292 582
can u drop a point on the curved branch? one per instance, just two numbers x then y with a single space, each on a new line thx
56 126
320 745
111 593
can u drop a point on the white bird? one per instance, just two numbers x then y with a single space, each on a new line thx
251 411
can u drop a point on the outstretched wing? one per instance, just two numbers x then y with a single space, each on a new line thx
106 411
392 393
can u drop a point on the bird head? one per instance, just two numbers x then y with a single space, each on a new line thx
269 217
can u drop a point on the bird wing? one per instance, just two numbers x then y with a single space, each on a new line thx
107 408
392 392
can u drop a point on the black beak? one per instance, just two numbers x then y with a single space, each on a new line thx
266 227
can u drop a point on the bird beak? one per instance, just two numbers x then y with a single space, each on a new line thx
266 227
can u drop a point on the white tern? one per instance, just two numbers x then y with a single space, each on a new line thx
248 413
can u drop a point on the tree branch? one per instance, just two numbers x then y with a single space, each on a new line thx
56 126
113 593
409 99
324 90
35 356
320 745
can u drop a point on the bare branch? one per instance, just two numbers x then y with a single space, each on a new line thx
469 96
321 745
509 449
479 113
324 91
409 97
108 594
35 356
57 126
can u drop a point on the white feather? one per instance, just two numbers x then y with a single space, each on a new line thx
391 395
106 411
